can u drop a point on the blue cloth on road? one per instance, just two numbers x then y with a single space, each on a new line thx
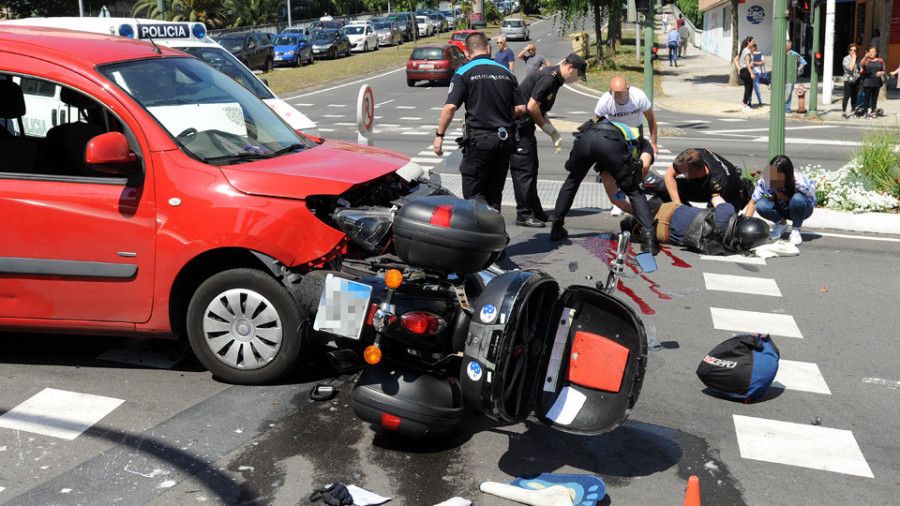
588 488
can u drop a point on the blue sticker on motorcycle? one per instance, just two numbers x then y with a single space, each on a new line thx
488 313
474 371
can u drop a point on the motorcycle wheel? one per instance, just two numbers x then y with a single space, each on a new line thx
245 327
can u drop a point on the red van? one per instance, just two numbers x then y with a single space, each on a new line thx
167 201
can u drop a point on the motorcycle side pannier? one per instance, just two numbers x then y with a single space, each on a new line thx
409 402
449 234
579 366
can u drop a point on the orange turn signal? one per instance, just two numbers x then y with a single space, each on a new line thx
372 355
393 278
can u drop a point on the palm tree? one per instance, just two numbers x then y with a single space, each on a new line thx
205 11
252 12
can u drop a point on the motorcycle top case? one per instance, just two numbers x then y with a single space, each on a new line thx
576 359
449 234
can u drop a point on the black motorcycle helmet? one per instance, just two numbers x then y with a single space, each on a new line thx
750 233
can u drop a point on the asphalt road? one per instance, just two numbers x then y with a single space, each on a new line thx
157 429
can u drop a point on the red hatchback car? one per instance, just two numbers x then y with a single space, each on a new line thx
433 62
147 193
458 38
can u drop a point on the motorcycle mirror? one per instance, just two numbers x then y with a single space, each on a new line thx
646 261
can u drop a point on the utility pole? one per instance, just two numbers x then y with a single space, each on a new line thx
649 42
779 68
814 72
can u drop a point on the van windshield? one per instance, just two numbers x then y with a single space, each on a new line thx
213 118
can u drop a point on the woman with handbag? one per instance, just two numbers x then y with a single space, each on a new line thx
744 63
851 81
872 69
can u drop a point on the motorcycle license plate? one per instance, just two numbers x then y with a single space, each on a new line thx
343 307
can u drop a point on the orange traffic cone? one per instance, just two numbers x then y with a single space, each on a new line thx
692 498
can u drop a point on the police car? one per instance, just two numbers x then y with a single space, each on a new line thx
192 38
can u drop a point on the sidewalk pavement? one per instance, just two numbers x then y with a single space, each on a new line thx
699 85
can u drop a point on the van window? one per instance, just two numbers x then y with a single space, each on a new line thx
59 122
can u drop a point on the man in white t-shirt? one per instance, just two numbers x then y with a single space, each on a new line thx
629 105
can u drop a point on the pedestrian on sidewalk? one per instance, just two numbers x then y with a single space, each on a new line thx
665 22
491 95
685 34
680 21
851 81
505 56
533 60
783 193
540 90
791 78
674 41
759 68
872 69
745 63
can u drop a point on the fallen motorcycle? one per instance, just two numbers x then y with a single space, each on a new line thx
441 327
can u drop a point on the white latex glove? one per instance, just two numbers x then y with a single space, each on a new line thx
551 130
555 495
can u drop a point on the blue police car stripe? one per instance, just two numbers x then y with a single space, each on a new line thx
480 61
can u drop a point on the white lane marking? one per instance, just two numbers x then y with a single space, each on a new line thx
385 102
303 105
803 376
334 115
379 117
828 142
406 107
766 129
336 105
58 413
391 125
848 236
363 80
802 445
575 90
741 284
427 160
416 132
410 118
344 124
738 259
579 113
732 120
437 108
327 129
426 152
755 322
892 384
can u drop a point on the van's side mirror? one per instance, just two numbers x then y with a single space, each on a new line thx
109 153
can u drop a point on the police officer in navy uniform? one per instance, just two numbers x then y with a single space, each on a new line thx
540 90
490 92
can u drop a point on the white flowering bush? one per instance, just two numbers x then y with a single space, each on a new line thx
844 190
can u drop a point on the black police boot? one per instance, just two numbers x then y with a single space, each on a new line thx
628 224
649 242
557 231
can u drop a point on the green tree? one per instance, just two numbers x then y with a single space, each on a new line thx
573 11
251 12
206 11
691 11
30 8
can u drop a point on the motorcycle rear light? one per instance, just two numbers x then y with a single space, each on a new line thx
370 318
420 323
441 216
390 422
372 355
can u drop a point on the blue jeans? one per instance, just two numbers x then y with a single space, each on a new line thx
673 52
798 210
756 88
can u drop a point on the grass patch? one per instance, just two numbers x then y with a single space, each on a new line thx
621 63
878 161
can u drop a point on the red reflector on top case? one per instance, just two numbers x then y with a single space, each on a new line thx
390 422
441 216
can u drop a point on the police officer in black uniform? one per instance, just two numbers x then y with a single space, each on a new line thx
490 92
708 178
614 148
539 89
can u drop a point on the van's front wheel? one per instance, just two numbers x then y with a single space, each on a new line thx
245 327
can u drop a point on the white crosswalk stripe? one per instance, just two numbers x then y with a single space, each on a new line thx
802 376
741 284
738 259
59 413
755 322
802 445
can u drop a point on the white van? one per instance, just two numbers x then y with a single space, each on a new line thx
191 38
